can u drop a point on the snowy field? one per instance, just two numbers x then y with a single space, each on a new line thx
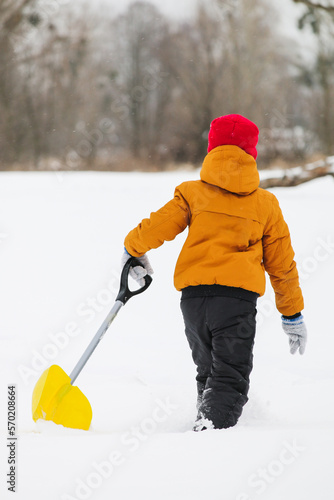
61 240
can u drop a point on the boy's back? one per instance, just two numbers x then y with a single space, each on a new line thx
236 232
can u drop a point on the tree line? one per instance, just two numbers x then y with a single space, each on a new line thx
82 88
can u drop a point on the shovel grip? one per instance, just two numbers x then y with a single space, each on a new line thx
124 292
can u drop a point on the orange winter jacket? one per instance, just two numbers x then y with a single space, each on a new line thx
236 231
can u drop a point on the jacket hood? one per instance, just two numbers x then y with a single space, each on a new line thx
230 168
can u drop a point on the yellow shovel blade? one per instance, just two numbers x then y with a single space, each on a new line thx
54 398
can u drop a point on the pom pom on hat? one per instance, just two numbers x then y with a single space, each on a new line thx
235 130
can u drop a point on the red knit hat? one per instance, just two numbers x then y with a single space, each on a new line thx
234 130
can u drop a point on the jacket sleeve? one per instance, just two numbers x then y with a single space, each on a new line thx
161 226
278 260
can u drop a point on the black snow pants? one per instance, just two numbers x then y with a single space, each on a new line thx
220 331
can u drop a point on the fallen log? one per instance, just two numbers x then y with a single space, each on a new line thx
299 175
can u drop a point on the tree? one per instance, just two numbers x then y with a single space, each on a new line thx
226 62
87 89
142 79
316 5
321 77
196 63
45 84
13 27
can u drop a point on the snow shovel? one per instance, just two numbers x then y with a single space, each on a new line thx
54 396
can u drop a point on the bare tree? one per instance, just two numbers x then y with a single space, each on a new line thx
12 15
226 62
12 27
322 75
79 84
142 78
197 61
316 5
43 85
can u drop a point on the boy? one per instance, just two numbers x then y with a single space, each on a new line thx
236 233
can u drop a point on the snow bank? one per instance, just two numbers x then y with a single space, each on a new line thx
61 238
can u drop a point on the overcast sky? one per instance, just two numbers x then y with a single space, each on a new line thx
178 9
183 8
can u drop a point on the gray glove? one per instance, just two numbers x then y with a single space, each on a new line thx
296 330
138 272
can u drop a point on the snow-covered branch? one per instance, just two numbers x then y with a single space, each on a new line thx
315 5
297 175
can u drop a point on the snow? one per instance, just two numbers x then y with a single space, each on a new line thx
61 239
